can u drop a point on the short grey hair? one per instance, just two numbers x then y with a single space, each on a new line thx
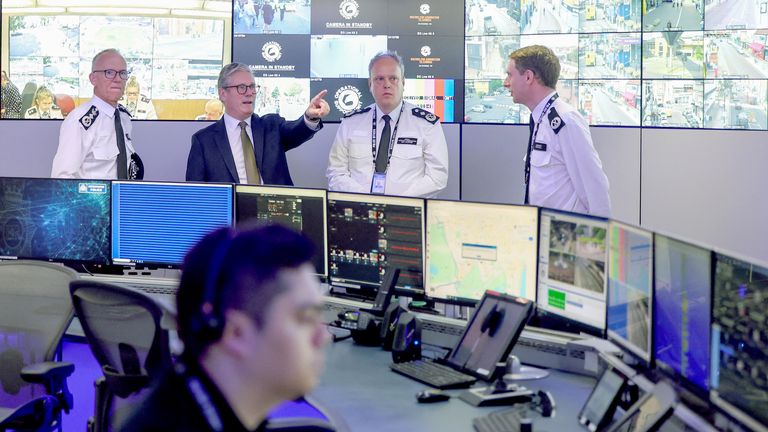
102 53
389 54
229 70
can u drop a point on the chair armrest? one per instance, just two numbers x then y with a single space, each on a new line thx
42 372
53 375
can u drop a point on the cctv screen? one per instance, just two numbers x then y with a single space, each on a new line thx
573 250
474 247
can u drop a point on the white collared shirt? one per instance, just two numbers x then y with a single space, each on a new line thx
566 171
235 144
88 144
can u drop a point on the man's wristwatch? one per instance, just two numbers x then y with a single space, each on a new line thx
312 119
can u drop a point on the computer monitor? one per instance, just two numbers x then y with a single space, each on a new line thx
571 293
367 234
55 219
683 292
304 210
474 247
630 289
740 337
156 224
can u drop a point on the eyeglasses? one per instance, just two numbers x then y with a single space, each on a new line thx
110 74
242 88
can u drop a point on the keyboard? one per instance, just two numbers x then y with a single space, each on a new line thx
509 420
433 374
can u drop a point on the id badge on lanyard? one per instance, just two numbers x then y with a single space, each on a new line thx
378 183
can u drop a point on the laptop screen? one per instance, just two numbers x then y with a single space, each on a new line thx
491 334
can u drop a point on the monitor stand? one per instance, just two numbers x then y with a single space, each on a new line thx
518 372
497 393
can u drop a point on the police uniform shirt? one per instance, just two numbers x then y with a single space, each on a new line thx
419 162
142 109
88 144
566 172
35 113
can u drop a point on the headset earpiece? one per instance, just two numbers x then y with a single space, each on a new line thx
211 323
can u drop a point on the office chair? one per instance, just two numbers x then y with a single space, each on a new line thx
35 311
123 329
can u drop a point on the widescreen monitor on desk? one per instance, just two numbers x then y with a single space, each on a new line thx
157 223
62 220
571 292
304 210
368 234
474 247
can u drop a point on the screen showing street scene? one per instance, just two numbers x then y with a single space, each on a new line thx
172 61
736 54
735 15
674 15
735 104
673 103
673 55
611 15
610 102
609 55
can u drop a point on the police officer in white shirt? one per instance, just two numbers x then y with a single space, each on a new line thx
92 144
42 106
404 154
562 168
139 106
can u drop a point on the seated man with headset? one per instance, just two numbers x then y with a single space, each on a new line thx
250 316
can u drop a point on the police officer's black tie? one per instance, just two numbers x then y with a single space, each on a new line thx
382 154
122 160
528 157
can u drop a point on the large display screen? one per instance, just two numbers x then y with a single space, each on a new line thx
174 51
660 63
55 219
474 247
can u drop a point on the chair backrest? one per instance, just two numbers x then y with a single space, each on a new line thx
123 329
35 311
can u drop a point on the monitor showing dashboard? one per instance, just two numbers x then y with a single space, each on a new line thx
571 294
474 247
367 234
740 335
682 309
63 220
304 210
630 289
157 223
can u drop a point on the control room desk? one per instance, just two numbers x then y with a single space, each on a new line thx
358 385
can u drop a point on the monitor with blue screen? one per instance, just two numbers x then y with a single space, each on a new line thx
474 247
571 293
740 337
62 220
157 223
630 289
682 311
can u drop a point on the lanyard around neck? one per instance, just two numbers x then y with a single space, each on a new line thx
541 117
374 122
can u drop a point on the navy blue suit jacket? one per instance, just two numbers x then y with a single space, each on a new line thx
210 158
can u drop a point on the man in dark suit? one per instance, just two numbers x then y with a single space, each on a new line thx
243 147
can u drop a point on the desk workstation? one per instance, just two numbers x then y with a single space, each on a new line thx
676 310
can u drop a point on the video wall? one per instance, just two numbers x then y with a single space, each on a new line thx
660 63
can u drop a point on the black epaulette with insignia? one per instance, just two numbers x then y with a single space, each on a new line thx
357 111
32 111
555 121
426 115
144 99
123 109
88 118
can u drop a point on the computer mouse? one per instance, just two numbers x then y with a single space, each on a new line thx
431 396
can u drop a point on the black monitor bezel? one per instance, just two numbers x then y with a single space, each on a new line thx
364 289
73 263
645 359
460 301
322 249
165 265
552 321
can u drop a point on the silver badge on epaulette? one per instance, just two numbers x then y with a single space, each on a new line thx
555 123
431 117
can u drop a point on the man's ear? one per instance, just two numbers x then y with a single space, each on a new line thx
239 331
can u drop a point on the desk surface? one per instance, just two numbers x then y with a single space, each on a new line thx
358 385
